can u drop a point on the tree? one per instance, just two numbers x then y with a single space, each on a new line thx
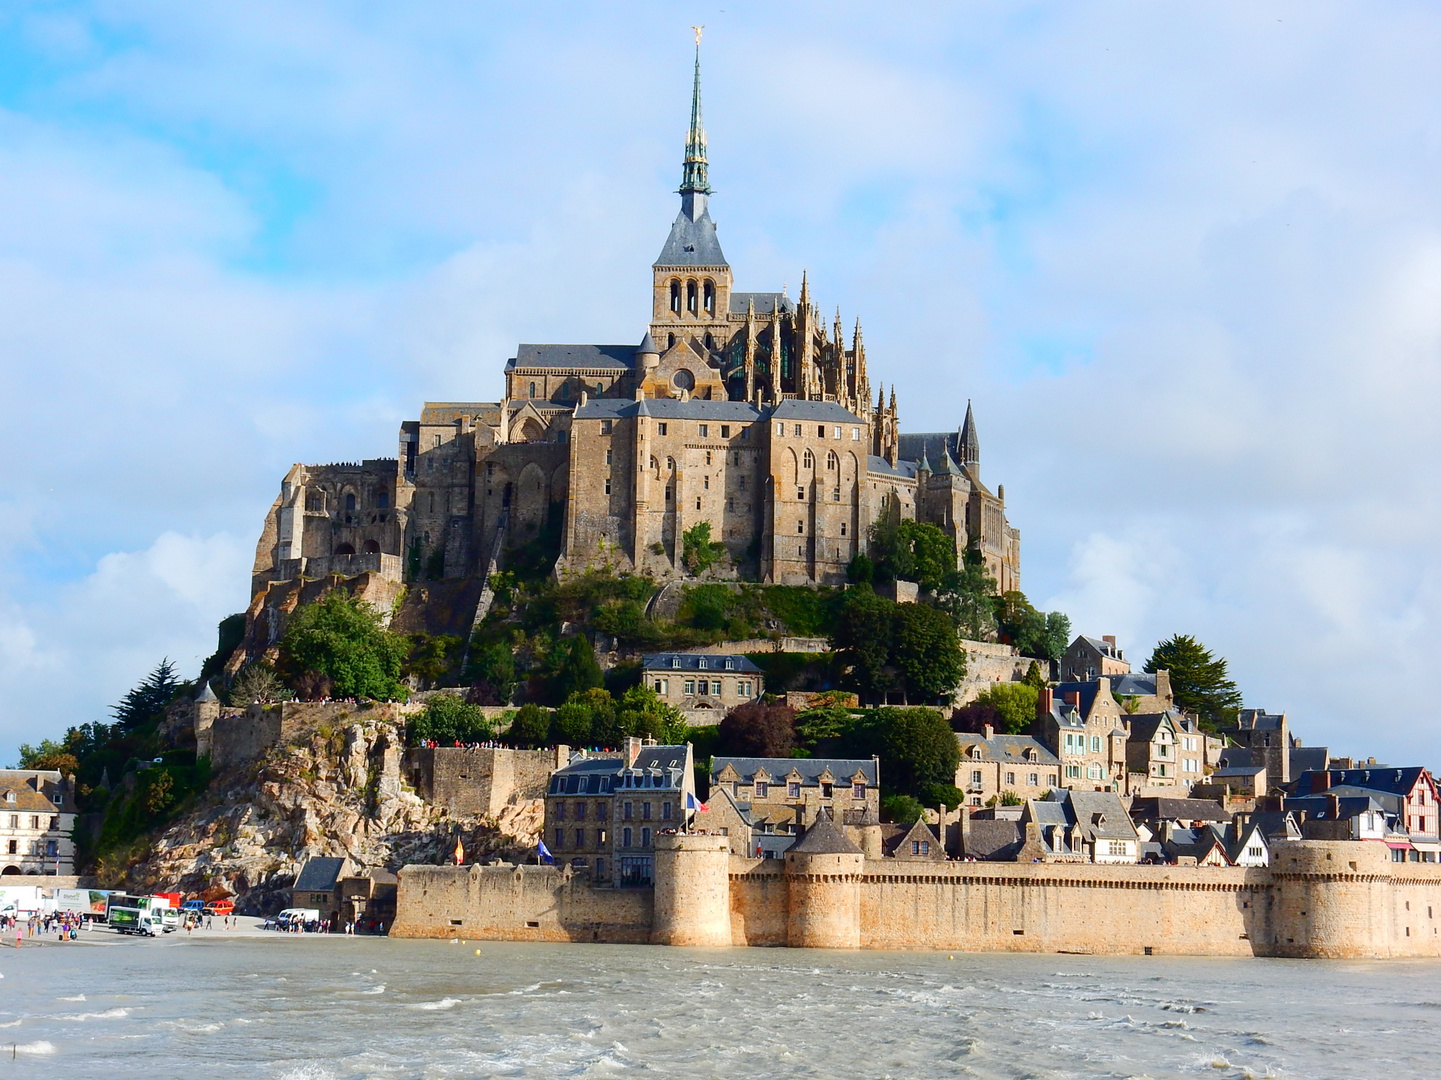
1035 676
604 727
578 670
531 726
861 570
925 652
916 746
571 723
1033 632
758 729
447 719
257 682
902 809
49 754
911 551
698 552
890 555
1014 705
490 670
1198 679
968 596
863 635
148 700
432 656
340 640
641 713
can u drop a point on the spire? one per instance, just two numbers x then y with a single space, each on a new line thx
969 445
695 182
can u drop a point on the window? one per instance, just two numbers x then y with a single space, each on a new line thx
660 429
675 661
580 838
843 528
645 811
1073 772
560 811
730 506
707 457
705 433
835 494
607 485
626 836
800 528
808 460
532 394
675 297
605 427
1095 744
702 663
600 814
1010 778
743 688
763 789
715 687
821 431
559 837
690 297
855 434
665 811
1095 772
793 789
726 434
607 457
709 300
383 500
690 686
801 494
832 462
975 776
705 480
645 836
697 502
580 811
827 790
1033 779
628 811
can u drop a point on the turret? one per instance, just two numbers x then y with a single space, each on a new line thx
647 356
692 890
968 444
823 889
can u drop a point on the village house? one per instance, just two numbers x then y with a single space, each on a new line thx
790 793
914 843
602 813
1262 738
699 681
1082 727
1408 795
1162 753
1087 659
994 767
37 818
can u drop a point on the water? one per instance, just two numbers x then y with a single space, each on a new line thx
296 1008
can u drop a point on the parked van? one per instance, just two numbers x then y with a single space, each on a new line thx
132 920
220 908
294 916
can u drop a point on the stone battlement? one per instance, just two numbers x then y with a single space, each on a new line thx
1334 899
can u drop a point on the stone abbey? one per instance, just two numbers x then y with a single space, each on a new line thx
745 411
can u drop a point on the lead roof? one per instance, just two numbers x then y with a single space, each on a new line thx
605 357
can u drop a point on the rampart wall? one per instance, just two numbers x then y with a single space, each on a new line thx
1335 899
480 781
237 736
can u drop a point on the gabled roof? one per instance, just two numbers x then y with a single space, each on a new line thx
692 243
766 303
1164 809
1309 759
1007 748
1145 725
319 875
1319 806
825 838
1098 814
810 769
1394 781
1192 843
899 842
604 357
734 663
994 840
903 469
1133 685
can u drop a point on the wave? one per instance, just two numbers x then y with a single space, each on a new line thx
108 1014
308 1071
375 989
41 1047
12 1023
430 1006
77 997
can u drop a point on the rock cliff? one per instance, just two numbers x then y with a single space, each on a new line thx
335 791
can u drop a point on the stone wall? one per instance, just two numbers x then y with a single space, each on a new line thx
481 781
1318 899
988 663
238 736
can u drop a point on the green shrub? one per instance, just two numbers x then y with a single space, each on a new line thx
901 809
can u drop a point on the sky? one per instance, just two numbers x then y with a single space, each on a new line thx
1185 259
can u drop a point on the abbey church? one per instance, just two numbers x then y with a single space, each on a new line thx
747 411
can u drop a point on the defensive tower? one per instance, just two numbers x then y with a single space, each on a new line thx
692 891
823 875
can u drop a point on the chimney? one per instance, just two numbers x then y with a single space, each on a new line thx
988 730
1044 701
1073 697
1320 781
1333 807
1109 639
631 749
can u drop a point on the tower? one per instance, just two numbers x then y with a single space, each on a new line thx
691 284
968 446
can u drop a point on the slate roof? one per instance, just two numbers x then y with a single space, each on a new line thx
1192 843
604 357
933 444
766 302
829 411
995 841
1392 780
28 786
825 838
1133 685
1276 824
1007 748
692 662
1099 815
319 875
1145 725
810 769
1164 809
1087 690
1239 757
1258 720
1309 759
904 469
692 243
1319 806
206 695
669 409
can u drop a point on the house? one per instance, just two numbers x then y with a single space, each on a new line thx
993 766
995 838
1088 658
1162 753
1268 738
368 898
703 681
1241 781
1082 727
37 819
918 843
1144 692
1201 846
1354 817
318 885
1073 825
602 814
1408 795
1185 813
791 793
752 835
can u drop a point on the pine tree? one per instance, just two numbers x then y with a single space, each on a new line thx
1198 679
148 700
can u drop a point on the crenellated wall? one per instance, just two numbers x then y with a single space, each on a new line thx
1331 899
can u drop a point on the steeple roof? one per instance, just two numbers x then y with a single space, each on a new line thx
823 838
692 240
969 446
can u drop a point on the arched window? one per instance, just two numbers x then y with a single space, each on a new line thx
350 502
709 297
370 547
344 549
675 297
670 463
832 462
690 297
654 464
809 461
709 341
532 389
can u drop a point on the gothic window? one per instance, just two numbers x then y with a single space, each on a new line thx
670 341
532 389
314 501
670 463
675 297
654 464
832 462
809 461
709 302
690 297
709 341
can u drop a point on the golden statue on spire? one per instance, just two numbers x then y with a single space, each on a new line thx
697 30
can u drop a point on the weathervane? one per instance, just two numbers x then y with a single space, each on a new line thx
697 30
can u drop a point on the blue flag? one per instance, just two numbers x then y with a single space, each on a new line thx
544 852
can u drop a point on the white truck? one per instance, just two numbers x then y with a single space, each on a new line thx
134 920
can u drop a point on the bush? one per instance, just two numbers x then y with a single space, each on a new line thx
758 729
571 723
577 671
531 726
490 669
902 809
339 642
698 552
947 795
916 747
447 719
1014 705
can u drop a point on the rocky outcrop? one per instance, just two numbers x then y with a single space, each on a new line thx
334 791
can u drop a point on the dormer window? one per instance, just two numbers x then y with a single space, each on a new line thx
730 665
701 663
675 661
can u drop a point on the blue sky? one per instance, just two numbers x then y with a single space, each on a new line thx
1185 259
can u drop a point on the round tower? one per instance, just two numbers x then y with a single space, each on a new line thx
1332 899
823 879
692 891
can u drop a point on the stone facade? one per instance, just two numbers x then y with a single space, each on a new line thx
718 681
1089 658
37 819
1333 899
235 737
992 765
480 780
789 794
749 412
